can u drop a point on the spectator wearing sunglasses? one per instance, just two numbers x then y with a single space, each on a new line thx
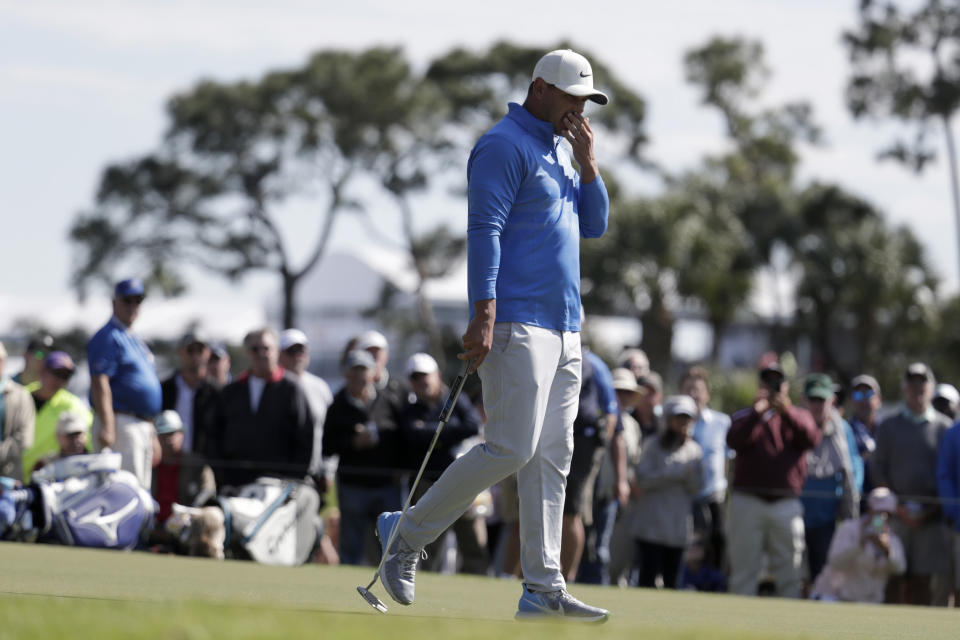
266 426
37 349
16 422
865 402
124 387
51 399
191 395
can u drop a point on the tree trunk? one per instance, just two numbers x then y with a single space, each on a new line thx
290 282
718 327
954 188
657 341
429 323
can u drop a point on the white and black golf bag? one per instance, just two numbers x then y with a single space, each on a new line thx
271 521
88 501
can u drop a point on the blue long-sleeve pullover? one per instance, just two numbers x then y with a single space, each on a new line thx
526 213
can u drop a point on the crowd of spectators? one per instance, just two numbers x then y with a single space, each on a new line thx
828 499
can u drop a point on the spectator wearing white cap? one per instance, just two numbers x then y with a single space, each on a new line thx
864 553
905 462
191 395
51 399
376 344
667 479
946 400
419 419
72 431
361 429
295 358
181 476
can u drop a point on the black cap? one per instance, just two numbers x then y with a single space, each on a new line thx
40 341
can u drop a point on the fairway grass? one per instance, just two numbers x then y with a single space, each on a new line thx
57 592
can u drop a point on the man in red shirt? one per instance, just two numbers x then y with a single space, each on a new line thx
771 439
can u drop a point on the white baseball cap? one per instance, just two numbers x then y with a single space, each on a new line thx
570 72
948 392
72 422
680 406
167 422
420 363
371 340
290 337
881 499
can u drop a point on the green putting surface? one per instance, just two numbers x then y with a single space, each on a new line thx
54 592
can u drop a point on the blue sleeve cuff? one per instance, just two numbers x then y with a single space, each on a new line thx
594 208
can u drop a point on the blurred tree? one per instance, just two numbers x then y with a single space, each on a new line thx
945 359
628 271
866 293
703 241
756 180
212 194
906 66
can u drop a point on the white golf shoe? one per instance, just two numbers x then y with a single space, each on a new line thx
400 567
559 604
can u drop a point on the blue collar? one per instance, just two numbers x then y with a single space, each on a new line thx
540 129
119 325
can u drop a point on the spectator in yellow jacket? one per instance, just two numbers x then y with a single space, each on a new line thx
51 398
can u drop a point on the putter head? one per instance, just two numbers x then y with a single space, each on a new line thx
372 600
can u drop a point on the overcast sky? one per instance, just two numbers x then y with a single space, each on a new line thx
84 84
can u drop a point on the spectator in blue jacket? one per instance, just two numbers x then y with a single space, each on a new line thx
948 486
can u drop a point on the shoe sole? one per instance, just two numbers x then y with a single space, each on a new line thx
537 615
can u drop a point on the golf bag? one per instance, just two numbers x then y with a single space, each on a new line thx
88 501
271 521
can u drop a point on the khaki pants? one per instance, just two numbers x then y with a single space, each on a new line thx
756 528
531 387
134 443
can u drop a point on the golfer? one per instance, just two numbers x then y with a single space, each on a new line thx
527 208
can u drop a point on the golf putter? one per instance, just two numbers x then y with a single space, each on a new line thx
448 406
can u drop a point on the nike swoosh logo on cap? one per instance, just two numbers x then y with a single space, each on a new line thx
584 75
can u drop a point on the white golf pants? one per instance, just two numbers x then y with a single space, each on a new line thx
134 442
531 387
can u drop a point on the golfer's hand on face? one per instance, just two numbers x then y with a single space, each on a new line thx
478 337
580 136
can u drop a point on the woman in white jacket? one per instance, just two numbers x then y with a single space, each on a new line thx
863 554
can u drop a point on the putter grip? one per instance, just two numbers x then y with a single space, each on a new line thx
454 393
